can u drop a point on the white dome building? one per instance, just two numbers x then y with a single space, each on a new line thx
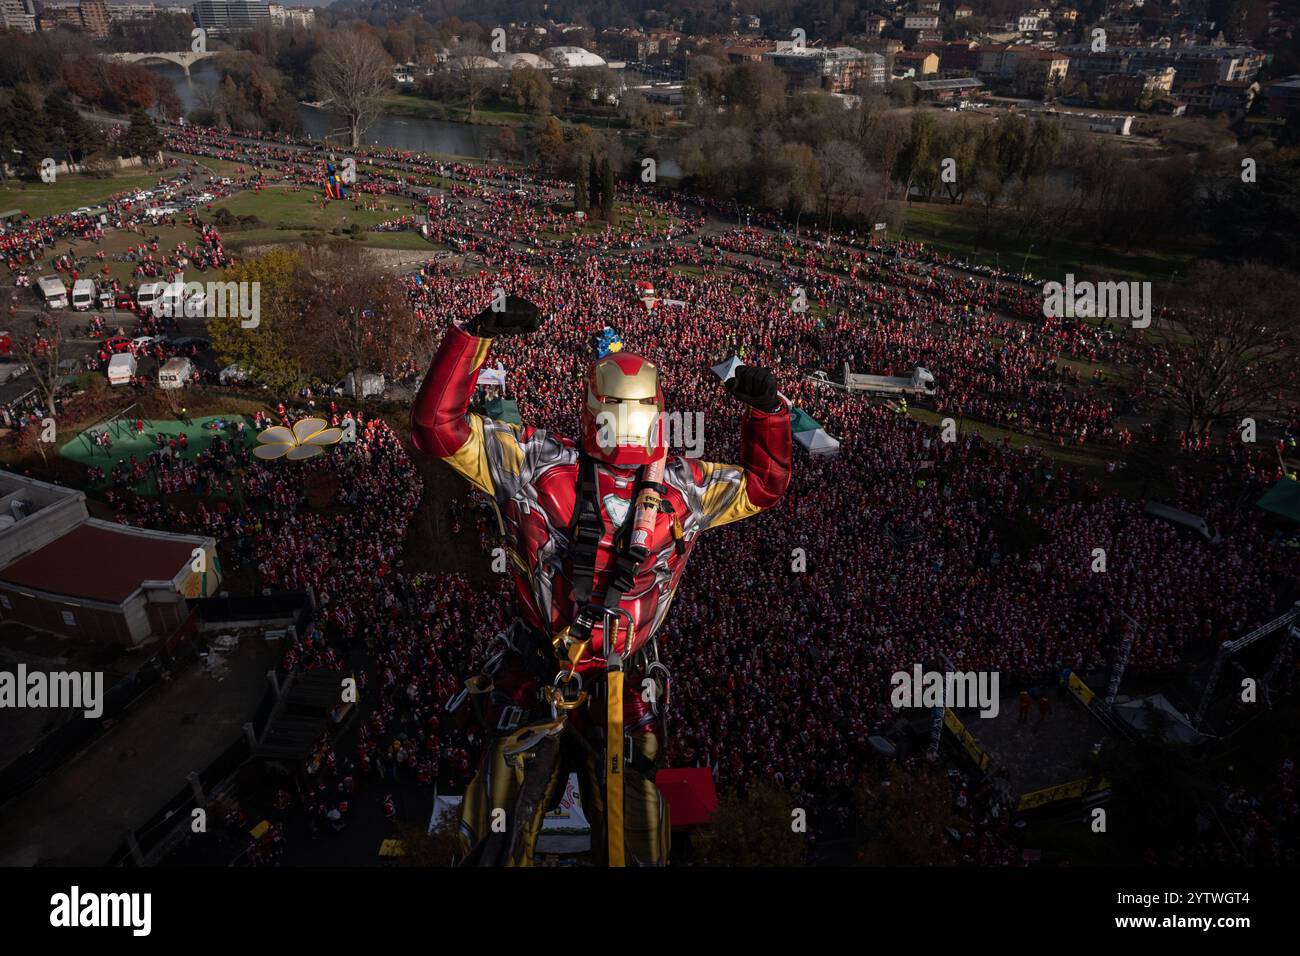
572 57
514 61
473 63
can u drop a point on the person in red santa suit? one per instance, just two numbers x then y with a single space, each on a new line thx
598 532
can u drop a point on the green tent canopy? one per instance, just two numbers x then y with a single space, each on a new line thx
503 410
809 433
1283 499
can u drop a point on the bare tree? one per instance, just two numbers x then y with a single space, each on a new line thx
41 353
210 98
352 69
890 138
361 318
794 180
839 176
1232 351
474 72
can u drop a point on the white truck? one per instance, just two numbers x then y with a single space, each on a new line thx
920 382
148 294
175 373
173 300
53 292
120 368
83 295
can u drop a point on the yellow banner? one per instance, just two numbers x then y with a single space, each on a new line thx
1065 791
967 741
1080 689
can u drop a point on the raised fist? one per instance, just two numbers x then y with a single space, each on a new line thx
519 317
755 387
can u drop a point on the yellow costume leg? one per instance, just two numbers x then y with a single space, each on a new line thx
646 823
500 838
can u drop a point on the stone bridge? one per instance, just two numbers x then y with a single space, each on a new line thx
184 60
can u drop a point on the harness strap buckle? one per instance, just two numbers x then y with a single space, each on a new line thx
510 718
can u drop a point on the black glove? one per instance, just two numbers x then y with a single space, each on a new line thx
755 387
518 318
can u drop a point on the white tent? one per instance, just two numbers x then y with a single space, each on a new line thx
1185 518
818 442
1177 728
564 830
492 376
728 368
810 435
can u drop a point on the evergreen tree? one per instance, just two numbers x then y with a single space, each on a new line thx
607 203
593 183
581 198
26 132
6 142
141 138
66 128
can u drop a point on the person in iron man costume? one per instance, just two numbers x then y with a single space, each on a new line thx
589 602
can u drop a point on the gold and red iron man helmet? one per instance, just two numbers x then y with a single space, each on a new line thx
622 420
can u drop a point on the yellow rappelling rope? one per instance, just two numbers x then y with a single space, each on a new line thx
614 753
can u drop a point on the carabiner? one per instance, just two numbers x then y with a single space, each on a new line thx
610 639
558 695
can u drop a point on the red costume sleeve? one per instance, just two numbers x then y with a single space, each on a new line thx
440 423
732 492
766 452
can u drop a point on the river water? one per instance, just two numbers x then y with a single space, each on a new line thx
430 135
425 135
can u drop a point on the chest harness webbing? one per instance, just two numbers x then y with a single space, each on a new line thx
587 531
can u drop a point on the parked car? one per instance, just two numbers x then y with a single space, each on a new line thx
118 343
83 295
147 295
187 341
120 368
235 374
360 385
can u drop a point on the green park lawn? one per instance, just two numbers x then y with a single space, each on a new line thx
69 192
287 216
117 242
956 230
219 167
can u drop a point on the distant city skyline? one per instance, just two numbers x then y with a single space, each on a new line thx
190 3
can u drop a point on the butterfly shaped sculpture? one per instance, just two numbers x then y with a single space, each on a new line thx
306 439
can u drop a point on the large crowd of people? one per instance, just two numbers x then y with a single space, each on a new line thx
916 549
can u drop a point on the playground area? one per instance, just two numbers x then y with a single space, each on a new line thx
126 434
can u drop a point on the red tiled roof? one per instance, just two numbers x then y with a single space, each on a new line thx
98 564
